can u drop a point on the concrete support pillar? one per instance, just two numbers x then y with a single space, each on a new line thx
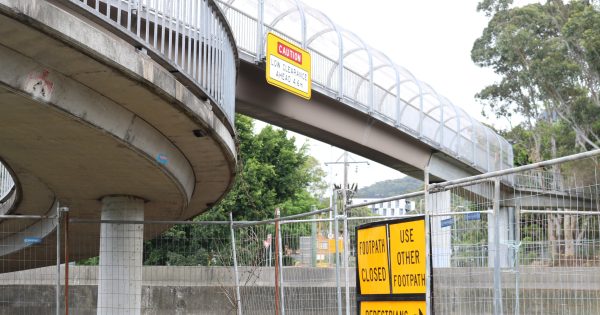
441 244
120 270
505 228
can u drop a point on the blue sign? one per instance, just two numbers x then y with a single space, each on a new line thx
162 159
473 216
447 222
32 240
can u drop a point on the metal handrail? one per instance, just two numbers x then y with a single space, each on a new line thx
190 38
484 153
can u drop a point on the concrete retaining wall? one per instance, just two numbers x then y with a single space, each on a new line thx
310 291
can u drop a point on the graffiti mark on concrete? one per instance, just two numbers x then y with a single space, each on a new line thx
39 85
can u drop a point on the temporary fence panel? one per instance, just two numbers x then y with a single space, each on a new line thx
255 246
521 242
183 268
28 265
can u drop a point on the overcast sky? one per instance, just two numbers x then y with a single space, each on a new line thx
430 38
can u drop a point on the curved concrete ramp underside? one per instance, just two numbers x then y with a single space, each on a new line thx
85 115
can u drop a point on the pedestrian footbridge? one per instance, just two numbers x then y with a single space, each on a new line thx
123 109
363 101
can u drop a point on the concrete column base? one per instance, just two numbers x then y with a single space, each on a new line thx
120 270
441 244
505 228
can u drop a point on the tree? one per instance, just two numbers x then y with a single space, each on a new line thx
548 58
272 173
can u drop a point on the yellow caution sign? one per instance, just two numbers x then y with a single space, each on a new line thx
408 257
372 253
288 66
392 308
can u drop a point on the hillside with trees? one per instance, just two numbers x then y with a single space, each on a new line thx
390 188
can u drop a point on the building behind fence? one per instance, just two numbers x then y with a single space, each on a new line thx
520 242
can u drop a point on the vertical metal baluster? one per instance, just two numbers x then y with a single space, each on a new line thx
201 45
195 41
191 32
215 45
222 67
190 35
219 67
170 45
138 18
184 21
147 22
210 53
129 15
155 42
208 50
204 43
119 12
177 17
165 4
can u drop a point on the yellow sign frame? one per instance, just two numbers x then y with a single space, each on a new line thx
405 241
372 258
288 67
392 307
408 263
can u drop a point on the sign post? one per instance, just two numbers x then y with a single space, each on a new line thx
392 267
288 66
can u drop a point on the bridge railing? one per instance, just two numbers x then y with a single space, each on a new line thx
191 38
345 68
7 183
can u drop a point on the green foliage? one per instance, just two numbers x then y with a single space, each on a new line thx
489 7
547 56
521 142
272 173
92 261
390 188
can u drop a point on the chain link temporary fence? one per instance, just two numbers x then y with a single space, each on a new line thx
521 241
26 244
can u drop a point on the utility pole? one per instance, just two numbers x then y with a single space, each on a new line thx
346 163
346 237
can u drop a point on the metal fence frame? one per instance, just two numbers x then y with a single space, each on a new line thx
343 216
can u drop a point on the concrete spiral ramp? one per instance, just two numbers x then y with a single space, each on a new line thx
84 115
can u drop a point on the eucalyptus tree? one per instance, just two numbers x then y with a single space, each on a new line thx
547 56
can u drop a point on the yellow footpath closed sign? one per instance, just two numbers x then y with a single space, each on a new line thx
391 269
288 66
408 257
392 308
372 253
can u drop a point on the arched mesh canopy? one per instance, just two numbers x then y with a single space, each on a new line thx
346 68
